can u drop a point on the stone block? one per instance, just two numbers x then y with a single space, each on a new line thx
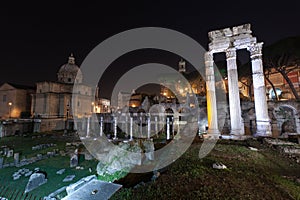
61 171
35 180
69 178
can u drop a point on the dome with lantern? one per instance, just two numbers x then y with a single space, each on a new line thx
69 72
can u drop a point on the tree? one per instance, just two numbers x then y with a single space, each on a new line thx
267 73
283 63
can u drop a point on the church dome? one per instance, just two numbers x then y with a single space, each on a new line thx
69 72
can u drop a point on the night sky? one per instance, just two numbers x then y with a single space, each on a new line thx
36 39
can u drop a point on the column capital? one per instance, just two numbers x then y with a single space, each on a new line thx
208 56
230 53
255 50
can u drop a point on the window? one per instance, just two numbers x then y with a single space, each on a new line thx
78 103
69 79
4 98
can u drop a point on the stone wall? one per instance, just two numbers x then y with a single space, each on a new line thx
13 127
284 117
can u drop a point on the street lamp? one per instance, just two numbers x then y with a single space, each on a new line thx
9 104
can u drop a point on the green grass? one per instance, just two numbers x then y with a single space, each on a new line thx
250 175
263 174
50 166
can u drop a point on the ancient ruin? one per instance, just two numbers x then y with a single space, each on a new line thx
228 41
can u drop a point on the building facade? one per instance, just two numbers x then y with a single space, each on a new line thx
15 100
52 101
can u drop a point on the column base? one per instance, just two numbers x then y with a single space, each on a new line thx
236 132
235 137
263 129
212 134
262 134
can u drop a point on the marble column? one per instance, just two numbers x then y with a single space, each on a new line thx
233 92
115 128
101 126
168 128
149 127
212 115
88 127
263 127
131 128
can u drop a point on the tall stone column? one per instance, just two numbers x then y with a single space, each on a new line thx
263 127
234 94
212 115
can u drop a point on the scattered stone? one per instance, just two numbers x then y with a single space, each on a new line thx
90 170
69 178
39 156
68 144
219 166
5 151
36 169
35 180
61 171
74 161
289 150
53 194
94 189
50 153
253 149
118 159
75 186
42 146
62 153
277 142
28 173
78 167
17 158
10 153
16 177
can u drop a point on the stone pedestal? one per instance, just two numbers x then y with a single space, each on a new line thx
212 115
263 127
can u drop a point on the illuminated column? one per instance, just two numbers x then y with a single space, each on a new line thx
115 128
156 125
263 127
88 127
149 127
168 128
126 124
101 126
234 94
131 130
211 95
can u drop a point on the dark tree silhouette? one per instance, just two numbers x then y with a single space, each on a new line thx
283 63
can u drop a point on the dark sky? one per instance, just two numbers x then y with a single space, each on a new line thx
36 39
